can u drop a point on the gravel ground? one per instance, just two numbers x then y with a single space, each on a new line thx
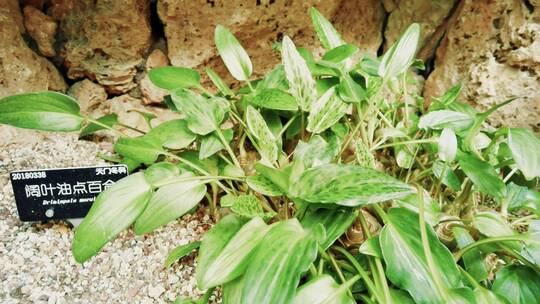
36 265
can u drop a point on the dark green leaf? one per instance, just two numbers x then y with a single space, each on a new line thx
340 53
450 178
114 210
249 206
233 54
180 252
482 174
49 111
109 120
518 284
347 185
406 263
335 222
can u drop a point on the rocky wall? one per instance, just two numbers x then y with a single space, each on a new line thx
102 49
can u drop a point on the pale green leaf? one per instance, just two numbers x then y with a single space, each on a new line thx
301 83
335 222
326 112
525 147
401 54
172 134
170 202
233 54
350 91
322 290
114 210
328 35
274 99
218 82
180 252
347 185
141 149
447 145
203 115
211 144
406 263
265 140
161 171
49 111
483 295
438 120
275 268
234 258
316 152
170 78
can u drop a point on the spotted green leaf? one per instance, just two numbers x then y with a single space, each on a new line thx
203 115
328 35
249 206
49 111
301 83
401 54
266 143
326 112
274 99
347 185
263 185
233 54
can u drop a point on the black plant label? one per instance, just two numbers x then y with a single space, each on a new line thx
67 193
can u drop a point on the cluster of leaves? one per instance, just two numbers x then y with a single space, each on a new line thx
291 163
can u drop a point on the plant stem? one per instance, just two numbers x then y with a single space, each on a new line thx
195 178
206 296
94 121
131 128
286 126
408 142
228 148
345 286
427 250
459 254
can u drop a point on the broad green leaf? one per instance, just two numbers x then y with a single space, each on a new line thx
340 53
483 295
401 54
141 149
447 145
218 82
210 164
108 120
525 147
170 202
322 290
335 222
519 197
233 54
232 291
326 112
114 210
211 144
400 296
274 99
203 115
263 185
301 83
234 258
170 78
491 224
276 266
48 111
438 120
249 206
275 79
432 210
474 258
279 177
265 140
316 152
406 263
518 284
328 35
482 174
347 185
172 134
161 171
180 252
350 91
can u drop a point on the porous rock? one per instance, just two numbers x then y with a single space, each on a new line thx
21 69
105 40
88 94
493 50
41 28
189 27
150 93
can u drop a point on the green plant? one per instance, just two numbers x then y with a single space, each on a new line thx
343 147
